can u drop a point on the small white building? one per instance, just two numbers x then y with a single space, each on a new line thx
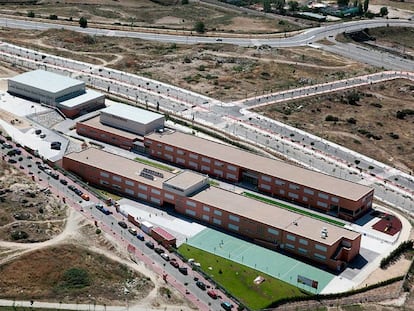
131 119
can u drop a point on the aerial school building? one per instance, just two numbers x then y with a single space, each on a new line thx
308 188
190 194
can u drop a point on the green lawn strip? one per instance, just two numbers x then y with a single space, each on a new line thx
238 279
155 164
293 209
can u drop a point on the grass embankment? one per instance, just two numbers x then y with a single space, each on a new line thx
155 164
238 279
293 209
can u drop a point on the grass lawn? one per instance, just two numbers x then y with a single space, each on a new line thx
238 279
155 164
293 209
109 195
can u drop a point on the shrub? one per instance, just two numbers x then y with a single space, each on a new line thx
351 121
98 231
83 22
331 118
76 278
30 14
393 135
396 253
19 235
53 17
199 27
184 2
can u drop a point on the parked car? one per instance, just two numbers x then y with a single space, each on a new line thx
140 237
64 182
54 175
12 161
212 294
20 159
183 270
201 285
133 231
85 196
122 224
174 263
149 244
226 306
71 187
8 146
42 136
165 256
37 132
158 250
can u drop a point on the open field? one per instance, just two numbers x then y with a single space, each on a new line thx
145 13
220 71
375 120
238 279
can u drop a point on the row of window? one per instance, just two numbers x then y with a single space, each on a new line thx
304 251
215 221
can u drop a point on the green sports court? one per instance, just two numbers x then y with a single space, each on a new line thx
267 261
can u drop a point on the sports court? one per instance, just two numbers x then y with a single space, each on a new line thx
272 263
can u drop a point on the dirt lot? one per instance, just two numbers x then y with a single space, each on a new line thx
369 126
220 71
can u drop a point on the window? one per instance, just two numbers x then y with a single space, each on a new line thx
266 178
273 231
279 182
103 182
290 246
282 192
206 217
230 176
190 212
233 227
323 196
149 142
218 163
155 191
217 212
205 168
293 187
266 187
192 164
180 152
305 199
334 199
303 241
129 183
168 196
308 191
234 218
321 247
217 221
191 203
290 237
168 148
205 160
116 187
193 156
322 204
142 187
319 256
206 208
155 200
218 172
169 157
129 191
293 195
302 250
231 168
180 160
103 174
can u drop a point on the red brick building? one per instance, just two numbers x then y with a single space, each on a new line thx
332 195
189 193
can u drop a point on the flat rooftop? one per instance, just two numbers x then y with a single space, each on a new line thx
118 165
81 99
47 81
185 180
271 167
132 113
96 123
273 216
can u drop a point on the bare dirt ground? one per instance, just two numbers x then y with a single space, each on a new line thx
369 126
59 239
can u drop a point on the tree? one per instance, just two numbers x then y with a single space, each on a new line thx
384 11
53 17
360 8
266 6
293 6
30 14
342 3
366 5
83 22
183 2
280 5
200 27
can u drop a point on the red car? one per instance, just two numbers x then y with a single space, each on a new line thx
174 263
212 294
